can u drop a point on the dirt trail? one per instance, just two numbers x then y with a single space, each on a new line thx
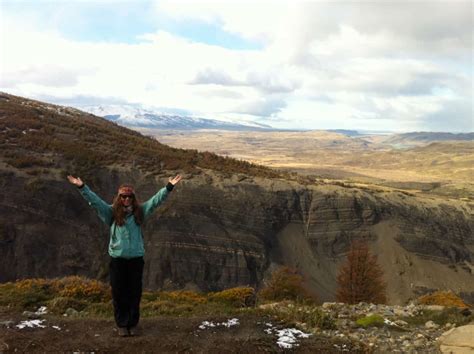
158 335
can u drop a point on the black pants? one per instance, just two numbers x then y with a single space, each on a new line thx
126 281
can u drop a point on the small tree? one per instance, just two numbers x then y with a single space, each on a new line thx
360 279
285 284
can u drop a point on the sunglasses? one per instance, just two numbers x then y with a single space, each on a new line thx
126 196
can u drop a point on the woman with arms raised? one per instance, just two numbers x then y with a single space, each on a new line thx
125 217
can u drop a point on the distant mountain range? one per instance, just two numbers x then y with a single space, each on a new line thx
137 117
132 116
345 132
433 136
421 138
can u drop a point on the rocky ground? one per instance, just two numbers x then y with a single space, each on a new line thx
383 329
395 329
395 335
201 334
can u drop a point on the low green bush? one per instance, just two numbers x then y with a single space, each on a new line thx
316 318
149 296
99 309
59 305
370 321
312 316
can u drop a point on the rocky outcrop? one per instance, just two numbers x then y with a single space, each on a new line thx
458 340
216 232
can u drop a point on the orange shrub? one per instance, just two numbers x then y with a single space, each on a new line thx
442 298
33 284
29 293
82 288
240 296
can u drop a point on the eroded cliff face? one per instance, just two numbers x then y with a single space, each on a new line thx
215 232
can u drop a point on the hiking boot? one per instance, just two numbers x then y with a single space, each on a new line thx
134 331
123 332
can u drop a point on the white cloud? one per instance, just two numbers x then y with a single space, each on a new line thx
47 75
451 116
252 20
215 77
322 64
264 107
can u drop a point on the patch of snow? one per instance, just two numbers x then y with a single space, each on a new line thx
31 324
230 323
41 311
287 337
140 116
56 327
287 342
205 324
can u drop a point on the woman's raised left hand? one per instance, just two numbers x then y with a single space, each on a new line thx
175 180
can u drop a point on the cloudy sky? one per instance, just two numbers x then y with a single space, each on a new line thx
369 65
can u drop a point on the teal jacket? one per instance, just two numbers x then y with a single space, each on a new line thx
126 241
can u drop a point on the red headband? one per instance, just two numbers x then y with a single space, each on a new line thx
126 190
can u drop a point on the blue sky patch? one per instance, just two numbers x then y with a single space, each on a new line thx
211 34
120 22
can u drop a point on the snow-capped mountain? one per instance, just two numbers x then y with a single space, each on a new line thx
134 116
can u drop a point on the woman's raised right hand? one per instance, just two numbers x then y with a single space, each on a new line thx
76 181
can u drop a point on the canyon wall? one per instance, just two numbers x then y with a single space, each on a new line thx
219 231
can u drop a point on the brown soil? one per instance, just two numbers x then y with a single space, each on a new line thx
158 335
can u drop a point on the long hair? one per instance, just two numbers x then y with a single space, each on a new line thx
119 212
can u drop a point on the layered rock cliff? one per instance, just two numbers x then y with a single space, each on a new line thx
215 232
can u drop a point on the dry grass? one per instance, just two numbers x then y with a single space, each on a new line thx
429 168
